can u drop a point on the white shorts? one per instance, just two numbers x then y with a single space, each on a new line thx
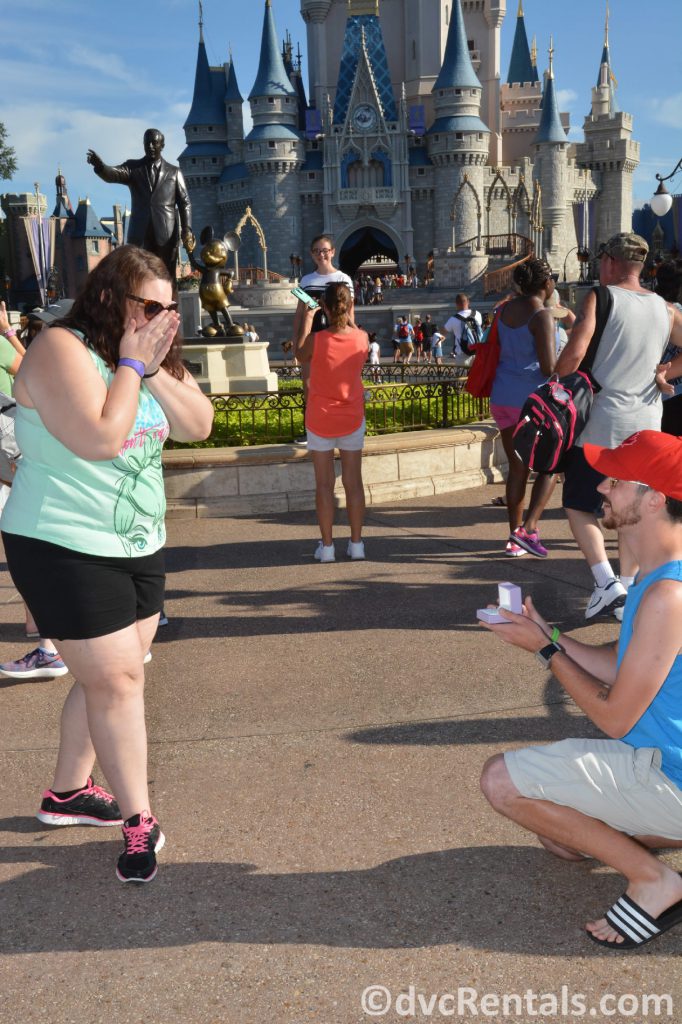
604 779
354 442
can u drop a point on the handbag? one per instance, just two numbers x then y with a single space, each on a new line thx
484 367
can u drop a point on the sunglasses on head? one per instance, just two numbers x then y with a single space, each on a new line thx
152 308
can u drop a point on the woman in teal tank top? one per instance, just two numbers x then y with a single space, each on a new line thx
83 528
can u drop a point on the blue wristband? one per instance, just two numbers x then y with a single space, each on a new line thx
134 364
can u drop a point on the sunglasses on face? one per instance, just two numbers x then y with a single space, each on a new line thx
613 482
152 308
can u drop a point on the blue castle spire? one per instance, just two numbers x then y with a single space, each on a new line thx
521 67
272 78
457 69
551 128
209 88
232 93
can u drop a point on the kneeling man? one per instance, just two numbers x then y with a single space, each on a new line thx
616 799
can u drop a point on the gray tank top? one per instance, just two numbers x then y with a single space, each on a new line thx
631 347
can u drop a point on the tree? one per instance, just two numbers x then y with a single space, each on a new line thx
8 162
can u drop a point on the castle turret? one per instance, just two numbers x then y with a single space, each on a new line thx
274 151
609 152
521 67
458 142
234 115
551 170
204 157
314 13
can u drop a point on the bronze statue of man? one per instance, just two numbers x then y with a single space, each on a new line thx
157 188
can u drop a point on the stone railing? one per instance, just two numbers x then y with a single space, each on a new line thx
216 482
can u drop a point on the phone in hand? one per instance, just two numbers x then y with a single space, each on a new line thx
303 297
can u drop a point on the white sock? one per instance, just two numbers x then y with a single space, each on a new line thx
603 573
627 581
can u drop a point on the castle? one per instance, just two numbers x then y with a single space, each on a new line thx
409 143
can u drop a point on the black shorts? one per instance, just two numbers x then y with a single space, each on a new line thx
74 596
580 483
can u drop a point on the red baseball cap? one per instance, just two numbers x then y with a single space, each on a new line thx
649 457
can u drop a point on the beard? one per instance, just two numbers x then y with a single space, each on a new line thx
629 516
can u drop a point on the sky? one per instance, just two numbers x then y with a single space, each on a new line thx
95 74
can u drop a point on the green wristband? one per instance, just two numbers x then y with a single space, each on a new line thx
556 633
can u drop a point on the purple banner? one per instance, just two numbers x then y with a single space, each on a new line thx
417 120
313 124
41 245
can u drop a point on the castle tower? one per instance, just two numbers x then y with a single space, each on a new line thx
234 115
458 143
551 170
609 152
274 151
520 97
204 156
314 13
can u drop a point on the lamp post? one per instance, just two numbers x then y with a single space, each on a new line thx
296 262
661 201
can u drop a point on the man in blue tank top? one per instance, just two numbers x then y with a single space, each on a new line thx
616 799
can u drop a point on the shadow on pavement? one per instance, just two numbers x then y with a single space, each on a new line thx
458 897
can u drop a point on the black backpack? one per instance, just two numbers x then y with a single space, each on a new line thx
472 332
555 414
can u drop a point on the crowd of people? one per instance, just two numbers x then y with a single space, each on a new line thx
99 391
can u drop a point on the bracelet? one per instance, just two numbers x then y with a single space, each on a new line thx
146 376
10 333
135 364
556 633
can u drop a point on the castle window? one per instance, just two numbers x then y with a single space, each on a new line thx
458 135
210 127
458 92
421 171
272 145
315 145
214 160
311 175
271 99
195 130
194 160
229 110
414 49
436 138
480 136
470 44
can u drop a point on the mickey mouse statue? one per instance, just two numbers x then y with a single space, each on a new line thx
214 292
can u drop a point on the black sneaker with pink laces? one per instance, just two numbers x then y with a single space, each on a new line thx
142 839
90 805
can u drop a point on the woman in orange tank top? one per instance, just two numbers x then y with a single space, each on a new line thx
335 416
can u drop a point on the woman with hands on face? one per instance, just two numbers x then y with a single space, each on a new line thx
97 395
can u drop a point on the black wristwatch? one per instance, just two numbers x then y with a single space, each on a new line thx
545 654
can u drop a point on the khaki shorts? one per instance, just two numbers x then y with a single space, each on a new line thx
604 779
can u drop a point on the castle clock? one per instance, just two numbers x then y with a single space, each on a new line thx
365 117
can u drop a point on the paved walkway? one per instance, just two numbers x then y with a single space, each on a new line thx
316 737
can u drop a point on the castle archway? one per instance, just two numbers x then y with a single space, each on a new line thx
363 244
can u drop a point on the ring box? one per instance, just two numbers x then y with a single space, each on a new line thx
508 597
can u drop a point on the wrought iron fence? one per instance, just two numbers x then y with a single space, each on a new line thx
390 407
388 373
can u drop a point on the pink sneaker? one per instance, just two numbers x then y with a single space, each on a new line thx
530 542
91 805
143 839
513 550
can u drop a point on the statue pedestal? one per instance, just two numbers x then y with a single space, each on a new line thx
190 312
259 295
233 368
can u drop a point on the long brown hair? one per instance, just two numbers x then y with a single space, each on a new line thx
100 308
338 303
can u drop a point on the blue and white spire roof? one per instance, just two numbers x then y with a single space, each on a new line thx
606 78
272 78
457 91
551 128
363 32
521 68
457 70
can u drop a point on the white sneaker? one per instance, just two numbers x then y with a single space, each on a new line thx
325 554
607 600
356 550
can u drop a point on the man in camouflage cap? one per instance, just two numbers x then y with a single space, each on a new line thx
626 246
636 326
